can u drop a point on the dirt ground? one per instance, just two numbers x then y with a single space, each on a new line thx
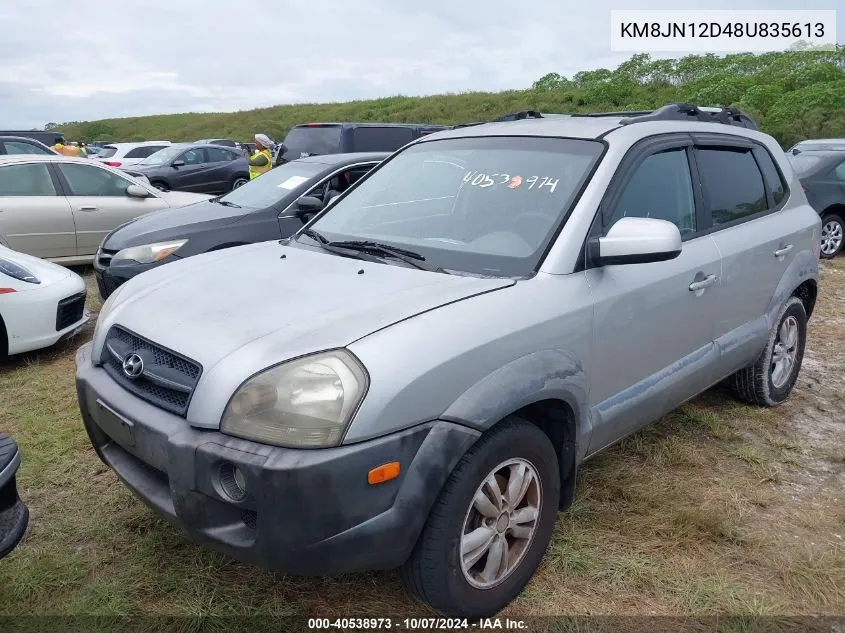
717 509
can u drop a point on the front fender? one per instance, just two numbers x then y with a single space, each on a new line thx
550 374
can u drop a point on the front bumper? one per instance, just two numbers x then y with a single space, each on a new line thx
110 278
14 515
305 512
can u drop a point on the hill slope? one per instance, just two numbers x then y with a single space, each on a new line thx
792 95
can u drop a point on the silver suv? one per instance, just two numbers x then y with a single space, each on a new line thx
414 378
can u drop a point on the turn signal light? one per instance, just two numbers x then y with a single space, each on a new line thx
383 473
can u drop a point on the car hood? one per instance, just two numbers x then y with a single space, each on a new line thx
170 223
47 272
261 304
183 198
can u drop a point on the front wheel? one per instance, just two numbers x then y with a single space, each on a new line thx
490 526
832 236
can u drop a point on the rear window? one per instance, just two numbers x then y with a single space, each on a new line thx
803 164
309 141
107 152
380 139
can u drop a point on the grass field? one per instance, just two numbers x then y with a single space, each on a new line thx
719 508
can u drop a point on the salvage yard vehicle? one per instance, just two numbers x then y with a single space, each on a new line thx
128 154
14 515
414 379
196 167
21 145
60 208
822 175
267 208
40 303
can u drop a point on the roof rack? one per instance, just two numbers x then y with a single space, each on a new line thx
682 112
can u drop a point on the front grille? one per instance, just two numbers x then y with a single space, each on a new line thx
167 379
70 311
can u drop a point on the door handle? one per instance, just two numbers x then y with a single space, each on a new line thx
88 208
783 251
709 280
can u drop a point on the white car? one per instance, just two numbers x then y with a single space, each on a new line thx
60 208
40 303
127 154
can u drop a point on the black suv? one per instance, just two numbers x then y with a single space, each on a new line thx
313 139
14 515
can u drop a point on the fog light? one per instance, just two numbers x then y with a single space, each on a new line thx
232 481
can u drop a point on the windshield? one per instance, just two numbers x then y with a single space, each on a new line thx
270 188
487 206
163 156
308 141
805 163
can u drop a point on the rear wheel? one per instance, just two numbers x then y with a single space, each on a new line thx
490 526
832 235
770 380
240 181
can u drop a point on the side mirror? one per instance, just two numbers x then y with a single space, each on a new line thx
308 204
137 191
637 241
14 515
177 163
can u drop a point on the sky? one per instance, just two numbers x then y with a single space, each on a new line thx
74 60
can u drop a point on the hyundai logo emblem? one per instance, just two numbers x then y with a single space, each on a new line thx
133 366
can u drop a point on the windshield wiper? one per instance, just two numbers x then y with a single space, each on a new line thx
226 203
409 257
361 247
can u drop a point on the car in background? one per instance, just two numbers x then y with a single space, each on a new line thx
270 207
822 175
225 142
196 167
817 144
48 138
128 154
41 303
14 515
317 139
10 145
60 208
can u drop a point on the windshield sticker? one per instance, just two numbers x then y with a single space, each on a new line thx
292 182
482 180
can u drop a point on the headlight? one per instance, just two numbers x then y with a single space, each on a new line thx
16 271
304 403
107 307
148 253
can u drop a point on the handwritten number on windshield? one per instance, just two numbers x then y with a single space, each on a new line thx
482 180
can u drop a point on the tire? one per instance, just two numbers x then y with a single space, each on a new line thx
434 573
239 181
832 236
758 384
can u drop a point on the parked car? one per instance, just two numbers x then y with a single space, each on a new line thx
317 139
40 303
20 145
416 376
128 154
48 138
195 167
817 144
60 208
271 207
225 142
822 175
14 515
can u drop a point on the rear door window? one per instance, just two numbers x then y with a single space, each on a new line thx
773 178
87 180
733 184
380 139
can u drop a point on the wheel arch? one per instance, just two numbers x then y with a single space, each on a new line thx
835 209
547 389
4 339
800 279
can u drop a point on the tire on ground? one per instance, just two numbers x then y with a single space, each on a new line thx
754 384
833 219
433 574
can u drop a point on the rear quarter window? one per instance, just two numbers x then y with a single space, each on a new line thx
380 139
